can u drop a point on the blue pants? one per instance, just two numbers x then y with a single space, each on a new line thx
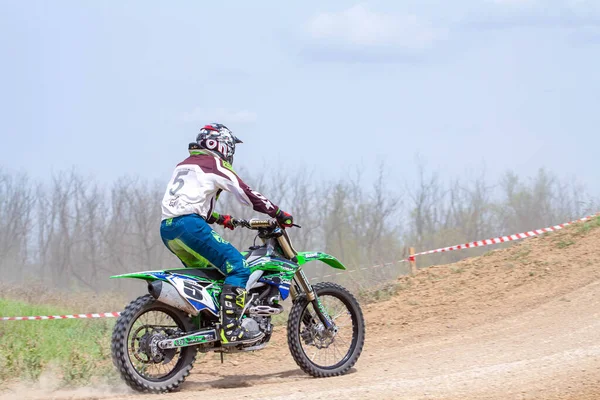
191 239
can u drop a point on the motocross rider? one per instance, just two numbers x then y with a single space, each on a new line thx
188 209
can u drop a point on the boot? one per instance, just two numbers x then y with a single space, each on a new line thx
233 300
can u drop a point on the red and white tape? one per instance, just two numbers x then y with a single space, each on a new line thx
74 316
502 239
479 243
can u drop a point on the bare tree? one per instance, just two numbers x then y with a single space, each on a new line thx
74 233
16 203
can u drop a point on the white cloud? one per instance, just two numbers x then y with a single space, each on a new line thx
219 115
358 26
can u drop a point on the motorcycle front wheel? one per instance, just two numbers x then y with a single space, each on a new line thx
319 352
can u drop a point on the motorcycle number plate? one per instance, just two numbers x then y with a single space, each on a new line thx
195 294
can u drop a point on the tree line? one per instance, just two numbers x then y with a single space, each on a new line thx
73 232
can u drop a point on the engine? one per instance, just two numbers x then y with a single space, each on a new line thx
264 304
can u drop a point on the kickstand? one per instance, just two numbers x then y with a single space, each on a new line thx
221 357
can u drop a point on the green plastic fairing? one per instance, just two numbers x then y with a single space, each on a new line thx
273 264
145 275
266 264
305 256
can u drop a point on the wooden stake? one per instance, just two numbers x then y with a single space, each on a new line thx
413 261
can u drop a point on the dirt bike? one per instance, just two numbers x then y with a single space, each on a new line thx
157 336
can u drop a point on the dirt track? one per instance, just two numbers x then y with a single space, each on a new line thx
520 323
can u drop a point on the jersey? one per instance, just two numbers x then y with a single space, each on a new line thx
197 183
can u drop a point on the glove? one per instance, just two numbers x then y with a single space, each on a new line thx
226 221
286 220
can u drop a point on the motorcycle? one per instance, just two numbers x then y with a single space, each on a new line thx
157 336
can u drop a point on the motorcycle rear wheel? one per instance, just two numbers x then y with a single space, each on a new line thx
134 346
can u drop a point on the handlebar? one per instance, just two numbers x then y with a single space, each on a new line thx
257 223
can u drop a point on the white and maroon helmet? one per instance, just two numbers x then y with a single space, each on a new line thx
218 139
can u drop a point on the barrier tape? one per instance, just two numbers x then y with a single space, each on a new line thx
502 239
75 316
470 245
478 243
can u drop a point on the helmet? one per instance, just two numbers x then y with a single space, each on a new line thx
218 139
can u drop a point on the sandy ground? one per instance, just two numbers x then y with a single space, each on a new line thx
520 323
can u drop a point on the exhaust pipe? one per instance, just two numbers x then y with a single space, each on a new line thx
167 294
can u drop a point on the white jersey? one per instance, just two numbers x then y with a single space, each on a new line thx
197 182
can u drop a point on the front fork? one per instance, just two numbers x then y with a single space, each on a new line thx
301 284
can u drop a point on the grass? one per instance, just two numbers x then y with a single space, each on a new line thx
565 243
382 292
77 350
584 228
580 229
521 254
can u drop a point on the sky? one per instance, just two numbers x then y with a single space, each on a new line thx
113 88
